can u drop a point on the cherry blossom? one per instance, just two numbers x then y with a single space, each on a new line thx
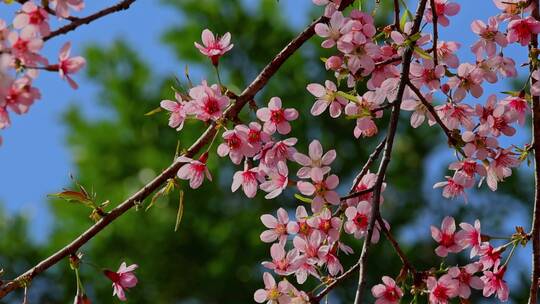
316 159
322 188
276 118
466 279
33 19
272 293
122 279
277 182
236 145
442 290
388 292
194 170
249 179
281 260
177 109
521 30
62 7
208 103
489 38
358 220
327 97
494 283
280 227
471 237
443 8
448 239
69 65
214 47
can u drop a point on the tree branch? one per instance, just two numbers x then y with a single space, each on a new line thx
392 129
435 30
231 112
123 5
533 292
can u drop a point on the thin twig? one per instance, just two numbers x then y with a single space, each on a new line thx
171 171
123 5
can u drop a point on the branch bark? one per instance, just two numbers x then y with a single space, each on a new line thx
230 114
533 292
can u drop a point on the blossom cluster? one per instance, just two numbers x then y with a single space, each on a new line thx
439 89
21 43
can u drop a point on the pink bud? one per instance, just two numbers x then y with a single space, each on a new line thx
334 63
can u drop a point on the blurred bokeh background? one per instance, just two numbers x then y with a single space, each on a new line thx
100 135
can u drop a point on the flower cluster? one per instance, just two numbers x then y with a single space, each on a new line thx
21 42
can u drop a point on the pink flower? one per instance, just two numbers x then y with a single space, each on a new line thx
62 7
272 293
249 179
275 152
256 136
208 103
478 146
322 188
454 115
465 279
469 79
471 237
442 290
194 170
281 261
276 118
368 181
517 108
302 220
500 167
280 227
278 181
326 97
420 112
309 246
466 170
25 47
177 111
316 159
489 38
324 222
122 279
448 239
33 19
452 188
387 293
328 256
446 51
494 283
358 221
521 30
332 30
214 47
426 73
20 95
489 256
235 144
443 8
69 65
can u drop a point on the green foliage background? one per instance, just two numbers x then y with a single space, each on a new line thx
215 255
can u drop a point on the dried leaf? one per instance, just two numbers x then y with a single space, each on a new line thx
180 211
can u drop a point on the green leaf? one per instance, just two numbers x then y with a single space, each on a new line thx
180 211
154 111
403 21
74 197
422 53
302 198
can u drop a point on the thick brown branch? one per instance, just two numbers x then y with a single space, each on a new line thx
170 172
535 233
392 129
123 5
